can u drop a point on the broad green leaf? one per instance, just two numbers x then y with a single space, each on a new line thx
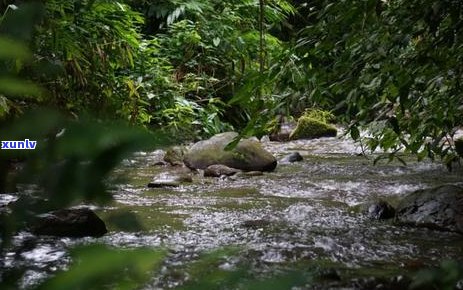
12 49
354 133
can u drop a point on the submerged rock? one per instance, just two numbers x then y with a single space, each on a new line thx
79 222
438 208
248 155
309 128
218 170
255 224
170 179
380 210
329 274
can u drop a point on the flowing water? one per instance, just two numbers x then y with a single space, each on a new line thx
305 214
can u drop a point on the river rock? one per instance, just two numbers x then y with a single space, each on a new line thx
439 208
291 158
248 155
309 128
170 179
218 170
380 210
174 155
78 222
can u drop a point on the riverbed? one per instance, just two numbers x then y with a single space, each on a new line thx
304 215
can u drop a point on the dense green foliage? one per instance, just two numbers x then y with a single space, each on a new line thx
92 57
202 67
393 67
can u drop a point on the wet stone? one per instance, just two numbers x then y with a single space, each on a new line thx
170 179
174 155
436 208
218 170
248 155
293 157
80 222
380 210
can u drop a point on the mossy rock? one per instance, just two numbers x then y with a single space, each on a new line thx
321 115
309 128
248 155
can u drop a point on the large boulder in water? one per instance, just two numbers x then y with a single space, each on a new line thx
248 155
439 208
78 222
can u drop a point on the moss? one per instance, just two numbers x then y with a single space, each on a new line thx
308 128
323 116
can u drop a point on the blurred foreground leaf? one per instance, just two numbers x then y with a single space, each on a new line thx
18 23
125 221
286 281
208 273
445 277
11 49
16 87
100 267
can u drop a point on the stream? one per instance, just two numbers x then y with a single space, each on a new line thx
304 215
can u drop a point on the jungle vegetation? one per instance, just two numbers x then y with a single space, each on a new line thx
200 67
